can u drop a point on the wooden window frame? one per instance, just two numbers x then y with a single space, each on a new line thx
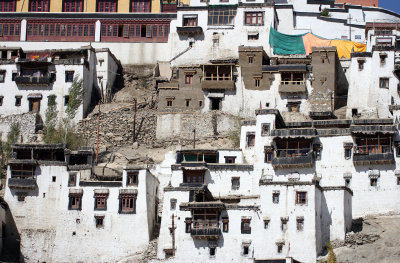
100 201
75 201
73 6
265 129
107 6
172 204
8 5
60 30
249 16
230 159
132 178
189 78
99 221
18 101
189 20
169 102
300 199
39 5
373 182
68 77
245 226
221 15
72 179
384 83
235 183
252 142
127 203
140 6
2 76
275 198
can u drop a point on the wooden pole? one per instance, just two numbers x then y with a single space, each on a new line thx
98 134
134 120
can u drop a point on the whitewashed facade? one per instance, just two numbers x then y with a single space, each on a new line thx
63 214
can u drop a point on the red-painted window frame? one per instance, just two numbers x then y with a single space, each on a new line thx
107 6
134 31
73 6
8 5
60 30
10 30
140 6
39 5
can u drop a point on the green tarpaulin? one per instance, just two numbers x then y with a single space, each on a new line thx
286 44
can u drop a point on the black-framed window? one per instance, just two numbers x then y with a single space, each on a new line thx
2 76
99 221
69 76
225 224
275 198
132 178
127 203
301 198
100 201
75 201
235 183
245 226
18 101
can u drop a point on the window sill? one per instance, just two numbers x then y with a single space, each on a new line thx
220 27
121 212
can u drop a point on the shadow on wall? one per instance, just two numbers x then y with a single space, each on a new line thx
326 223
11 238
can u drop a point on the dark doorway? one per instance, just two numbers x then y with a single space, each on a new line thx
215 103
34 105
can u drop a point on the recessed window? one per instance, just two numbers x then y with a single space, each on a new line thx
293 106
265 129
188 78
284 221
72 179
254 18
39 5
132 178
1 100
2 76
279 247
21 198
347 182
53 179
266 223
73 6
245 250
225 224
100 201
251 59
187 103
301 198
75 201
384 83
268 155
245 226
66 100
140 6
69 76
190 20
361 64
347 153
383 57
257 82
99 221
107 5
250 139
235 183
169 102
275 198
200 103
172 204
398 180
300 223
230 159
374 182
127 203
188 224
212 251
18 100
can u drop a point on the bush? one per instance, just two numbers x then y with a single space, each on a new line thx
325 12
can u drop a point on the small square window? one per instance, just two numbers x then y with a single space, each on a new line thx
235 183
301 198
54 179
18 100
169 102
212 251
266 223
132 178
251 59
187 102
361 65
279 247
99 221
275 198
382 58
265 129
21 198
374 182
69 76
384 83
100 202
200 103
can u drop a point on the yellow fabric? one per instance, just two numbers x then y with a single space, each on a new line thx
311 40
344 48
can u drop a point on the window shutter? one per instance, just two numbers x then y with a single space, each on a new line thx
1 30
126 31
148 31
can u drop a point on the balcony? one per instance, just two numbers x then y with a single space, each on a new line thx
206 232
373 154
19 183
218 85
33 81
292 87
293 158
189 30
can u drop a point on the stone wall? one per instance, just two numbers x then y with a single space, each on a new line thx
116 126
27 123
